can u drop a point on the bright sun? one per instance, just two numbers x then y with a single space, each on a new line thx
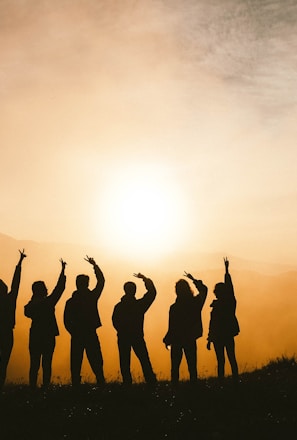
143 212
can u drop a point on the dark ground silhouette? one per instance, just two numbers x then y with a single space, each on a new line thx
262 406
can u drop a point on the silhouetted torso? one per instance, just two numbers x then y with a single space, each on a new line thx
42 311
185 322
8 303
128 315
81 312
128 318
223 321
81 319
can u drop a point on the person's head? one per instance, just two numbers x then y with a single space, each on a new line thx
219 290
130 288
82 281
3 288
183 289
39 289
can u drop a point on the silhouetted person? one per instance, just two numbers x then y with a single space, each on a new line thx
44 328
223 324
81 319
8 302
185 326
127 318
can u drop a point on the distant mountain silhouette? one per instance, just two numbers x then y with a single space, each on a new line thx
267 303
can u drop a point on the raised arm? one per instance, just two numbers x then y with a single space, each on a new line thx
228 280
151 292
99 276
60 286
15 284
202 288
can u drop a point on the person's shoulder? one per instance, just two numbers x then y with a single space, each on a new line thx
71 299
118 305
173 306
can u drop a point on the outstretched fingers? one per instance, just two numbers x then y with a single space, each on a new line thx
188 275
139 275
22 253
90 260
63 262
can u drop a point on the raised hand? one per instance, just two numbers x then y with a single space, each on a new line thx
188 275
22 255
139 275
63 263
226 262
90 260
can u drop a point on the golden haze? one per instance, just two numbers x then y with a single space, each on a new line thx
266 306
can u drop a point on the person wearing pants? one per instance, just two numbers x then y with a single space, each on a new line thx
81 319
128 319
8 301
223 326
44 328
185 327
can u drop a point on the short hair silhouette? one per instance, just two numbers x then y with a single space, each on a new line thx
82 281
128 319
81 320
219 289
39 289
130 288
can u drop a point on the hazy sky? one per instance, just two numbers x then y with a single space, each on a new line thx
139 124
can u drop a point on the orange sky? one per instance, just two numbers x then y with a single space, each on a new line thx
151 130
199 98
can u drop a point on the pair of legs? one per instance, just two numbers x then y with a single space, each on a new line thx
138 345
41 350
6 344
190 350
90 343
229 346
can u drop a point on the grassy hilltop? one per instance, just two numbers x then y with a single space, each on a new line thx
262 406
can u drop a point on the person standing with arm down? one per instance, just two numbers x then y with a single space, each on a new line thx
81 319
185 326
44 328
128 320
223 325
8 302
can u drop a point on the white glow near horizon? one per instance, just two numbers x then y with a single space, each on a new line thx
142 212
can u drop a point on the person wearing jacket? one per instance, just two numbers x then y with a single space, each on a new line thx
8 301
44 328
223 324
81 319
128 320
185 326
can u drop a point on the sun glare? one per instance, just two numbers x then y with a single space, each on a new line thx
143 212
